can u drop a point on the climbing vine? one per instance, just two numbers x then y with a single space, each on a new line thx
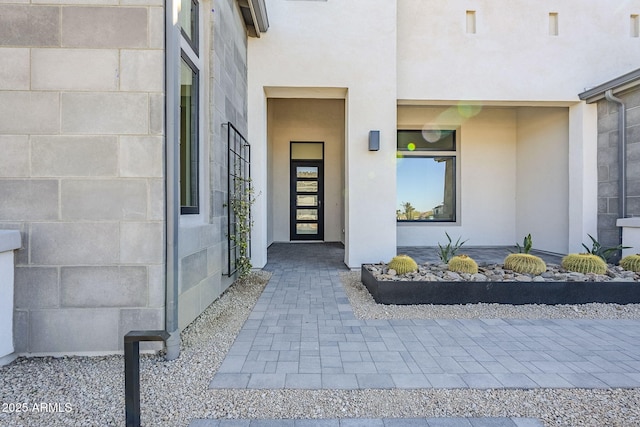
241 202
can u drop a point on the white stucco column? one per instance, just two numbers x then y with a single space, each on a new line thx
370 178
583 174
630 235
259 176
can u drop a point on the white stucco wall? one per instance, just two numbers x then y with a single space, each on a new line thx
542 180
386 55
487 172
583 174
513 177
312 48
309 120
511 56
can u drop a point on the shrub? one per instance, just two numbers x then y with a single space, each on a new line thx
584 263
463 264
403 264
631 263
524 263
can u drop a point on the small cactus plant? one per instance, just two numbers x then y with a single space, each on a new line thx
631 263
463 264
403 264
584 263
527 244
525 264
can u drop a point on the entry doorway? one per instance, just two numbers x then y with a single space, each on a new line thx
307 191
305 130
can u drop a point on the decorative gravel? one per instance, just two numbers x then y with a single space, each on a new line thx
438 272
89 391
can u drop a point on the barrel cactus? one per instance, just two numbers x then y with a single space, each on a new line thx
463 264
584 263
525 264
403 264
631 263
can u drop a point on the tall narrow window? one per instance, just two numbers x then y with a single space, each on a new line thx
635 25
190 65
188 137
426 176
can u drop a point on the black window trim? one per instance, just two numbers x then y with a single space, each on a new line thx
455 191
195 149
453 154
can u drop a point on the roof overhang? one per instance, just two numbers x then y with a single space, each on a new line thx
254 15
619 84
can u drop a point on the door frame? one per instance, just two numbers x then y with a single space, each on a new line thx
293 235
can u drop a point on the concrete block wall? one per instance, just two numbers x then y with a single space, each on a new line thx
81 173
228 104
203 245
608 232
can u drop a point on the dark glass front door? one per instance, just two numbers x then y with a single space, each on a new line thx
307 185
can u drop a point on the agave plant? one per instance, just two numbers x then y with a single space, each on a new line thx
445 253
606 253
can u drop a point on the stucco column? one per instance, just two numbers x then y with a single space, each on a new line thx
371 178
583 174
259 176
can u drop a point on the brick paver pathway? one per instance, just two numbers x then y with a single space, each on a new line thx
302 334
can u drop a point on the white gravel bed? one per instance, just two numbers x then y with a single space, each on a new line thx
173 393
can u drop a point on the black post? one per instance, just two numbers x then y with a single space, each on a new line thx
132 382
132 371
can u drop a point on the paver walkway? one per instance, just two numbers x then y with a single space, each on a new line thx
302 334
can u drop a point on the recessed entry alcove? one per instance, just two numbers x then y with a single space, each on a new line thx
306 169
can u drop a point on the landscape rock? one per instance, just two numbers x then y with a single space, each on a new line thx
430 272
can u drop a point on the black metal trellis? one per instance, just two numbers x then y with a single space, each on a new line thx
238 189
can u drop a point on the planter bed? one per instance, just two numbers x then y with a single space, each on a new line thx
472 292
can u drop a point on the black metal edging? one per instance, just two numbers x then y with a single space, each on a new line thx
132 371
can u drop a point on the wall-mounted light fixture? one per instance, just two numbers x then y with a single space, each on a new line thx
374 140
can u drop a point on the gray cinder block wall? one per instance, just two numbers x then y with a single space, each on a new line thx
608 164
203 246
82 174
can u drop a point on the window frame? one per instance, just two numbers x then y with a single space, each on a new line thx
189 53
195 24
454 154
194 152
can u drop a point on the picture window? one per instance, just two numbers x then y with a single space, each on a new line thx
426 176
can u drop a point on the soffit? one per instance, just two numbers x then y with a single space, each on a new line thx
254 15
